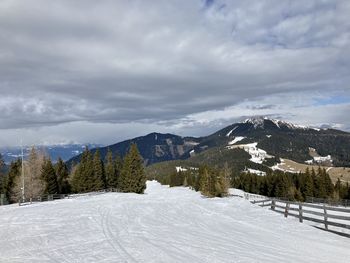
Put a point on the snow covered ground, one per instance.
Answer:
(236, 139)
(164, 225)
(258, 155)
(254, 171)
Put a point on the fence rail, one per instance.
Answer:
(341, 202)
(299, 209)
(52, 197)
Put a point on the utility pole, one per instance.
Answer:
(22, 155)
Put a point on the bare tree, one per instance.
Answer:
(34, 185)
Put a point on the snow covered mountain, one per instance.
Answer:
(282, 139)
(261, 137)
(260, 122)
(65, 151)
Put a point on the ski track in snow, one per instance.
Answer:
(164, 225)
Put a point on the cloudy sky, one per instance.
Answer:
(103, 71)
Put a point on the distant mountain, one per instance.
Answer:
(154, 147)
(265, 140)
(65, 151)
(283, 139)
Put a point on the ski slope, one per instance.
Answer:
(164, 225)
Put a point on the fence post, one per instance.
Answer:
(300, 213)
(286, 210)
(273, 204)
(325, 217)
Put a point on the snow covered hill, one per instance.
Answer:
(164, 225)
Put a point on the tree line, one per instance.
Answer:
(42, 177)
(214, 182)
(211, 182)
(293, 186)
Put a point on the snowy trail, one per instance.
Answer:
(164, 225)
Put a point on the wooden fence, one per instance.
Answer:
(52, 197)
(307, 211)
(340, 202)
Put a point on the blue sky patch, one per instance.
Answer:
(332, 100)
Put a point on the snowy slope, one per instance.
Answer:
(164, 225)
(258, 155)
(236, 139)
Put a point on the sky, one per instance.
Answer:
(88, 71)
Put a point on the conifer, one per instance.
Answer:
(48, 175)
(204, 184)
(98, 182)
(62, 177)
(13, 174)
(110, 171)
(308, 188)
(132, 177)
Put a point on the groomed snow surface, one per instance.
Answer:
(164, 225)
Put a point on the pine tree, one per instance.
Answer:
(76, 179)
(11, 179)
(110, 171)
(99, 182)
(308, 188)
(2, 177)
(88, 173)
(118, 166)
(132, 177)
(282, 186)
(62, 177)
(204, 184)
(329, 187)
(83, 176)
(319, 184)
(298, 196)
(226, 177)
(48, 175)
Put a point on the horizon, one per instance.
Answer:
(98, 145)
(88, 72)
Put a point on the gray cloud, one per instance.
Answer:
(118, 64)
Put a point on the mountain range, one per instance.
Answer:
(262, 139)
(65, 151)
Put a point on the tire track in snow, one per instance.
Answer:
(167, 247)
(111, 238)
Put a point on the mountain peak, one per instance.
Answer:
(261, 122)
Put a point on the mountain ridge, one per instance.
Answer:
(278, 138)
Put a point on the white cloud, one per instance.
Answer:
(108, 64)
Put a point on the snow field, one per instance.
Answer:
(257, 155)
(164, 225)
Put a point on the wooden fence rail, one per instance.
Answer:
(302, 211)
(52, 197)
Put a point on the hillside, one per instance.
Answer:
(164, 225)
(154, 147)
(285, 140)
(266, 140)
(343, 173)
